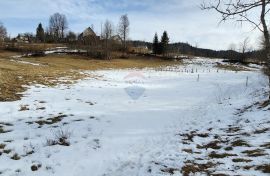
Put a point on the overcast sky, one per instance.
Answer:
(183, 19)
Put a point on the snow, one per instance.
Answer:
(129, 120)
(20, 56)
(55, 50)
(25, 62)
(63, 50)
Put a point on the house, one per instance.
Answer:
(88, 37)
(116, 39)
(140, 49)
(88, 33)
(23, 38)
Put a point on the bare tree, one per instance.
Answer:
(107, 34)
(245, 11)
(3, 32)
(63, 25)
(244, 46)
(124, 29)
(54, 25)
(58, 24)
(232, 52)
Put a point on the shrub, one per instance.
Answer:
(60, 138)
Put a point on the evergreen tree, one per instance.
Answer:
(156, 45)
(164, 43)
(40, 36)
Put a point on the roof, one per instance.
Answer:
(88, 32)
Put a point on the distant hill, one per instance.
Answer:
(187, 49)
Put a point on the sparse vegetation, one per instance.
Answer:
(15, 156)
(24, 108)
(35, 167)
(170, 170)
(255, 153)
(228, 148)
(29, 150)
(2, 146)
(194, 168)
(15, 75)
(61, 137)
(51, 120)
(240, 143)
(239, 151)
(241, 160)
(263, 130)
(7, 151)
(266, 145)
(232, 67)
(213, 145)
(220, 155)
(2, 130)
(264, 168)
(188, 150)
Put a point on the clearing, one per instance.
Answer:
(180, 118)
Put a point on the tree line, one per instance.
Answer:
(57, 32)
(3, 33)
(161, 47)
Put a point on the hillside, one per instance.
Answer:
(187, 49)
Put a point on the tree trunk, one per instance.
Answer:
(124, 40)
(125, 45)
(267, 41)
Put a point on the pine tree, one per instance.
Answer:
(156, 45)
(40, 33)
(164, 43)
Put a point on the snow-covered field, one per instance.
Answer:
(137, 123)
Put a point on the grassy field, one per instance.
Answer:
(16, 74)
(32, 47)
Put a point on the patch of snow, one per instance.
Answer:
(26, 62)
(126, 122)
(63, 50)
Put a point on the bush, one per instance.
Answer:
(60, 138)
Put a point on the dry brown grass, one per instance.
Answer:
(220, 155)
(15, 75)
(5, 54)
(255, 153)
(192, 168)
(264, 168)
(241, 160)
(27, 47)
(232, 67)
